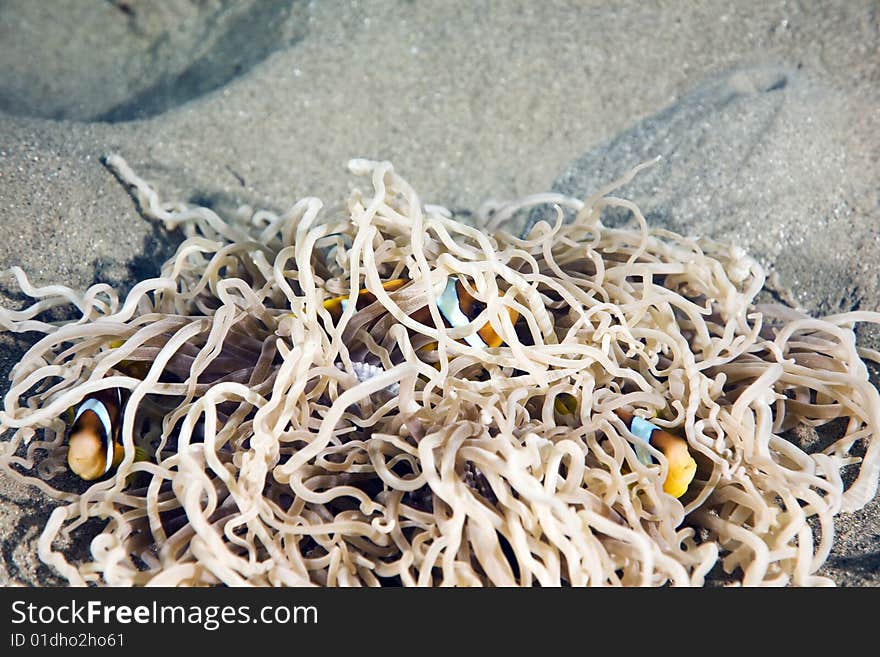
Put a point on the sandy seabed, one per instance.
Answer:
(471, 101)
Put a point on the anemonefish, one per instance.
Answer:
(457, 308)
(94, 447)
(338, 305)
(682, 466)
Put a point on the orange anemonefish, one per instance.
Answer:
(338, 305)
(682, 466)
(457, 308)
(94, 446)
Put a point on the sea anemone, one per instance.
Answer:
(266, 440)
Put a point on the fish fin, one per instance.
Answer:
(565, 404)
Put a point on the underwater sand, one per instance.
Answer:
(265, 104)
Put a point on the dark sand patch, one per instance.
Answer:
(129, 59)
